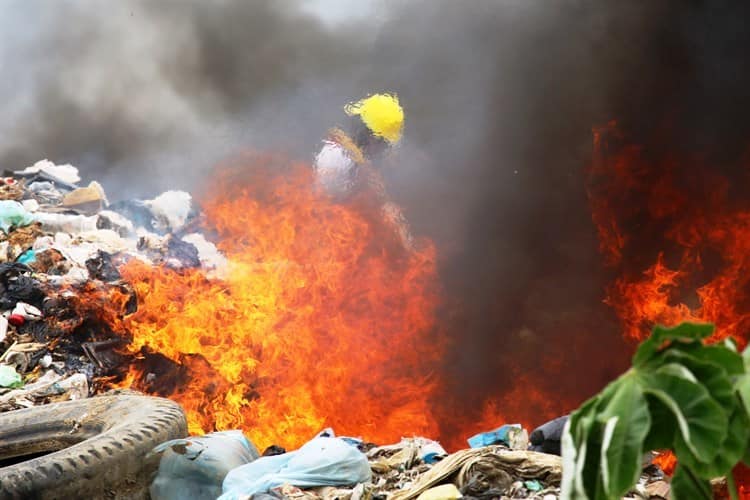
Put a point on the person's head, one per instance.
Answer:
(377, 124)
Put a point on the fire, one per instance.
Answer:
(678, 242)
(322, 318)
(680, 213)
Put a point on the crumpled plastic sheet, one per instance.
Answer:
(320, 462)
(194, 468)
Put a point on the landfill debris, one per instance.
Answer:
(478, 470)
(13, 214)
(319, 462)
(273, 450)
(195, 467)
(442, 492)
(533, 485)
(546, 438)
(88, 200)
(513, 436)
(170, 209)
(658, 489)
(9, 377)
(67, 174)
(61, 248)
(10, 189)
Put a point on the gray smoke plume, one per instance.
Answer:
(500, 99)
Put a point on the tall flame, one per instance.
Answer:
(678, 241)
(681, 214)
(322, 318)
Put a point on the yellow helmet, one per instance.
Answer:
(381, 113)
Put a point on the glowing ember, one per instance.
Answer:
(322, 319)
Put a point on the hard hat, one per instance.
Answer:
(381, 113)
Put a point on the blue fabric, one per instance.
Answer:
(322, 461)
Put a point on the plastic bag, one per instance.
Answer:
(171, 209)
(194, 468)
(66, 173)
(511, 435)
(323, 461)
(9, 377)
(13, 214)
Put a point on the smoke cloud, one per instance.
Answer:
(500, 99)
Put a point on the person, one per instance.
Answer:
(348, 163)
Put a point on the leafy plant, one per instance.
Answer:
(680, 394)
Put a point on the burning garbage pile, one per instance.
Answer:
(60, 248)
(304, 314)
(99, 295)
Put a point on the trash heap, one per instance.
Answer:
(60, 248)
(227, 465)
(61, 245)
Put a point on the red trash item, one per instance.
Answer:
(16, 320)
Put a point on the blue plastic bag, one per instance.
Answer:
(499, 435)
(193, 468)
(323, 461)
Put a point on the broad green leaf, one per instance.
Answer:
(626, 425)
(687, 486)
(702, 423)
(718, 354)
(590, 456)
(686, 330)
(732, 449)
(663, 426)
(574, 445)
(571, 486)
(711, 375)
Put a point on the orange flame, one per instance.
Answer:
(630, 193)
(322, 319)
(683, 211)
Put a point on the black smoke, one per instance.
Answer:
(500, 100)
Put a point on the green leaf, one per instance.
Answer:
(687, 486)
(718, 354)
(581, 442)
(661, 337)
(742, 386)
(663, 426)
(572, 481)
(625, 424)
(711, 375)
(732, 449)
(702, 423)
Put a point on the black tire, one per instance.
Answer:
(98, 447)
